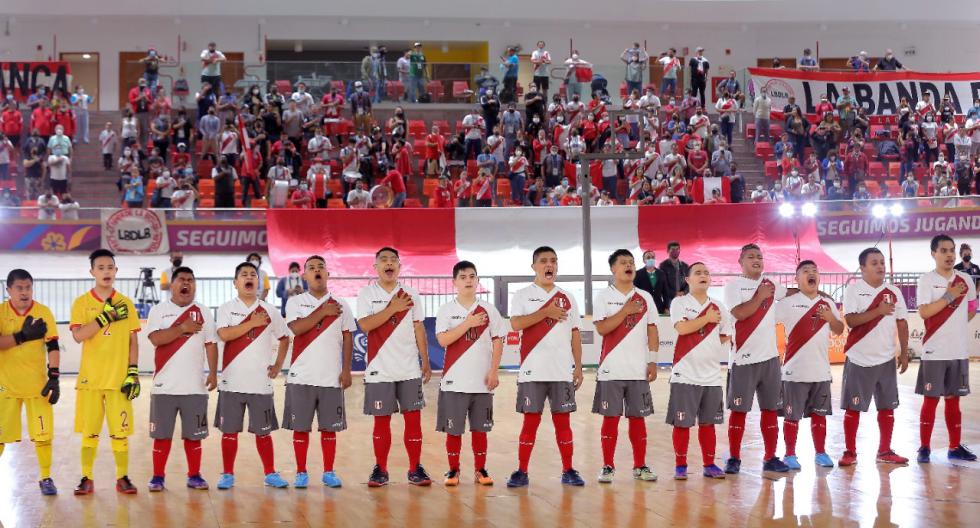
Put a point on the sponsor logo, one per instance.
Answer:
(237, 314)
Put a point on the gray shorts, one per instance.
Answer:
(531, 396)
(623, 398)
(761, 380)
(944, 377)
(860, 384)
(193, 409)
(388, 397)
(687, 402)
(454, 407)
(803, 399)
(230, 414)
(302, 401)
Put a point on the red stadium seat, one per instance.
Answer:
(443, 127)
(770, 170)
(416, 129)
(876, 170)
(436, 90)
(461, 91)
(413, 203)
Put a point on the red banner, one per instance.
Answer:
(21, 79)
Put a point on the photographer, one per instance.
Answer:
(151, 65)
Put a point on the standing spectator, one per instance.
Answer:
(732, 86)
(534, 105)
(209, 127)
(12, 123)
(205, 99)
(807, 62)
(473, 129)
(292, 123)
(211, 60)
(160, 132)
(930, 138)
(910, 187)
(360, 108)
(727, 108)
(369, 70)
(224, 177)
(637, 60)
(509, 65)
(65, 118)
(183, 200)
(47, 204)
(380, 74)
(290, 286)
(671, 68)
(396, 181)
(33, 163)
(860, 63)
(888, 63)
(966, 264)
(722, 161)
(700, 69)
(109, 142)
(332, 103)
(6, 156)
(517, 176)
(675, 272)
(230, 144)
(578, 73)
(797, 127)
(855, 168)
(42, 120)
(404, 67)
(68, 208)
(490, 105)
(165, 187)
(140, 99)
(80, 101)
(762, 108)
(151, 68)
(417, 73)
(541, 60)
(512, 123)
(134, 192)
(737, 185)
(699, 124)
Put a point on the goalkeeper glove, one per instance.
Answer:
(131, 385)
(31, 329)
(51, 390)
(112, 313)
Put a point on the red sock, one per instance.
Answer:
(328, 445)
(638, 439)
(382, 441)
(192, 450)
(454, 444)
(161, 450)
(263, 444)
(790, 429)
(680, 436)
(413, 437)
(927, 418)
(818, 430)
(479, 441)
(526, 441)
(563, 435)
(886, 422)
(301, 446)
(607, 438)
(229, 449)
(851, 420)
(736, 428)
(770, 432)
(706, 437)
(953, 421)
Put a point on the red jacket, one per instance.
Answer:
(12, 122)
(442, 197)
(42, 119)
(856, 164)
(395, 179)
(134, 93)
(67, 120)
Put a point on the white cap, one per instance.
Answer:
(357, 84)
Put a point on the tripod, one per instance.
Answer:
(145, 292)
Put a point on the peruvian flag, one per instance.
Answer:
(247, 167)
(703, 187)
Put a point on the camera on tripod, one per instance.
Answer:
(146, 293)
(146, 276)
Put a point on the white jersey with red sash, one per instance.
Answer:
(518, 164)
(392, 354)
(807, 337)
(755, 336)
(245, 360)
(874, 342)
(483, 192)
(947, 332)
(317, 178)
(546, 347)
(178, 366)
(698, 355)
(468, 359)
(229, 142)
(651, 163)
(317, 357)
(625, 351)
(574, 111)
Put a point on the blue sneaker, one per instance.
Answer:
(824, 460)
(47, 487)
(733, 466)
(226, 481)
(922, 455)
(275, 480)
(156, 484)
(418, 477)
(302, 480)
(518, 479)
(378, 478)
(331, 480)
(776, 465)
(792, 462)
(197, 482)
(961, 453)
(713, 472)
(680, 473)
(572, 478)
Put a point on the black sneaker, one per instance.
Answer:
(418, 477)
(518, 479)
(378, 478)
(733, 466)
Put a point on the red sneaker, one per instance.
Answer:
(85, 487)
(848, 458)
(124, 485)
(890, 457)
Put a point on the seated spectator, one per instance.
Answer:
(862, 194)
(793, 183)
(8, 198)
(669, 198)
(7, 152)
(910, 187)
(760, 194)
(807, 62)
(832, 167)
(570, 198)
(716, 197)
(860, 62)
(777, 193)
(47, 204)
(888, 63)
(812, 190)
(605, 200)
(811, 167)
(359, 197)
(835, 190)
(787, 163)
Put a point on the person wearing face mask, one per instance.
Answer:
(541, 61)
(360, 108)
(966, 265)
(675, 270)
(290, 286)
(888, 63)
(511, 122)
(653, 281)
(518, 176)
(534, 103)
(166, 276)
(578, 74)
(263, 286)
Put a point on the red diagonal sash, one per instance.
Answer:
(302, 341)
(745, 327)
(688, 342)
(380, 335)
(858, 332)
(612, 339)
(934, 323)
(162, 354)
(805, 329)
(533, 334)
(227, 140)
(456, 349)
(239, 344)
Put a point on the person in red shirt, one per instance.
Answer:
(442, 196)
(855, 168)
(12, 124)
(824, 106)
(540, 146)
(66, 118)
(589, 131)
(332, 104)
(302, 197)
(463, 189)
(482, 189)
(396, 181)
(403, 157)
(435, 148)
(697, 162)
(42, 120)
(571, 198)
(597, 106)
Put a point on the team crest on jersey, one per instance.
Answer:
(605, 405)
(856, 400)
(737, 401)
(153, 426)
(928, 386)
(680, 416)
(449, 423)
(789, 409)
(378, 405)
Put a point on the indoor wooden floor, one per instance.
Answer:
(939, 494)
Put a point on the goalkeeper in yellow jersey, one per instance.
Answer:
(29, 358)
(105, 322)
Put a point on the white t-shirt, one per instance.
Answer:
(807, 338)
(496, 144)
(179, 365)
(47, 206)
(317, 356)
(166, 184)
(245, 361)
(698, 356)
(213, 69)
(947, 332)
(699, 125)
(468, 358)
(474, 126)
(392, 353)
(874, 342)
(540, 70)
(546, 348)
(755, 337)
(184, 203)
(229, 142)
(58, 167)
(625, 352)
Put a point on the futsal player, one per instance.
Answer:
(319, 370)
(472, 332)
(104, 322)
(29, 360)
(253, 339)
(626, 318)
(183, 335)
(551, 363)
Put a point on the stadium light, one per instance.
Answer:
(809, 209)
(897, 210)
(786, 210)
(879, 211)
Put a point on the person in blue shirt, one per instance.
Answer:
(134, 193)
(290, 285)
(510, 67)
